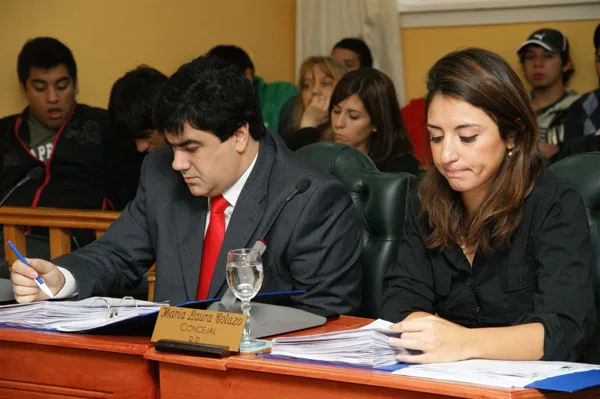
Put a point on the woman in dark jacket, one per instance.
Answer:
(365, 114)
(496, 257)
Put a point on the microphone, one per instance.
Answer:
(301, 186)
(34, 173)
(261, 245)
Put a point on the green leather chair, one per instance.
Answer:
(583, 172)
(380, 201)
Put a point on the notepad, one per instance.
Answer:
(75, 316)
(366, 346)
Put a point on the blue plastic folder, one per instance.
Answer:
(569, 382)
(144, 324)
(565, 383)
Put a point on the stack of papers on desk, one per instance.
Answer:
(75, 316)
(560, 376)
(366, 346)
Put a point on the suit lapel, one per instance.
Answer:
(190, 221)
(247, 214)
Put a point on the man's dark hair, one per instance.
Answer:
(46, 53)
(234, 55)
(131, 102)
(359, 47)
(209, 94)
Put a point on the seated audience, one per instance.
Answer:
(353, 53)
(130, 114)
(310, 120)
(413, 116)
(548, 68)
(273, 96)
(365, 114)
(69, 142)
(496, 259)
(582, 125)
(217, 187)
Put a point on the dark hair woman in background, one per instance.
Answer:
(365, 114)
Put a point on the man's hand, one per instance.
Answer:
(317, 112)
(24, 286)
(438, 339)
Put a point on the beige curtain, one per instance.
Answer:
(321, 23)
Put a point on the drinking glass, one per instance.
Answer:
(245, 276)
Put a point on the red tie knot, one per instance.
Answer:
(218, 204)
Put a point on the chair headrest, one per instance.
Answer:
(583, 172)
(346, 163)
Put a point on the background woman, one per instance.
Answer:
(365, 114)
(309, 119)
(496, 258)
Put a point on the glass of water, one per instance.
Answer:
(245, 276)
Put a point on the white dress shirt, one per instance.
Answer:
(231, 195)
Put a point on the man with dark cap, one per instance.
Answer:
(548, 68)
(582, 126)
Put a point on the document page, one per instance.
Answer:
(498, 373)
(366, 346)
(74, 316)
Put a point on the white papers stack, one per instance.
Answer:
(498, 373)
(367, 346)
(73, 316)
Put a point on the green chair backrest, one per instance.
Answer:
(583, 172)
(380, 202)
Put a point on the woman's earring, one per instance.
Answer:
(509, 152)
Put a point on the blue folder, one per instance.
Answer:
(569, 382)
(144, 324)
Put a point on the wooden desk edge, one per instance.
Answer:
(377, 378)
(116, 344)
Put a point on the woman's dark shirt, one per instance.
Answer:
(545, 276)
(309, 135)
(296, 139)
(406, 163)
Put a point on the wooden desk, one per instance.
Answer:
(51, 365)
(254, 378)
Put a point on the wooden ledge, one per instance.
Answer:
(52, 217)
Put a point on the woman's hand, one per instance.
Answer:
(438, 339)
(317, 112)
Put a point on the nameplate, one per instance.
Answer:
(199, 327)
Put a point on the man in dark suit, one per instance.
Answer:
(211, 118)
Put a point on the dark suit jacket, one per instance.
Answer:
(314, 245)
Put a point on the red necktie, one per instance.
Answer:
(212, 244)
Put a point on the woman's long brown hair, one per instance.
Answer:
(484, 80)
(377, 92)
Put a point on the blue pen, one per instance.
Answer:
(38, 279)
